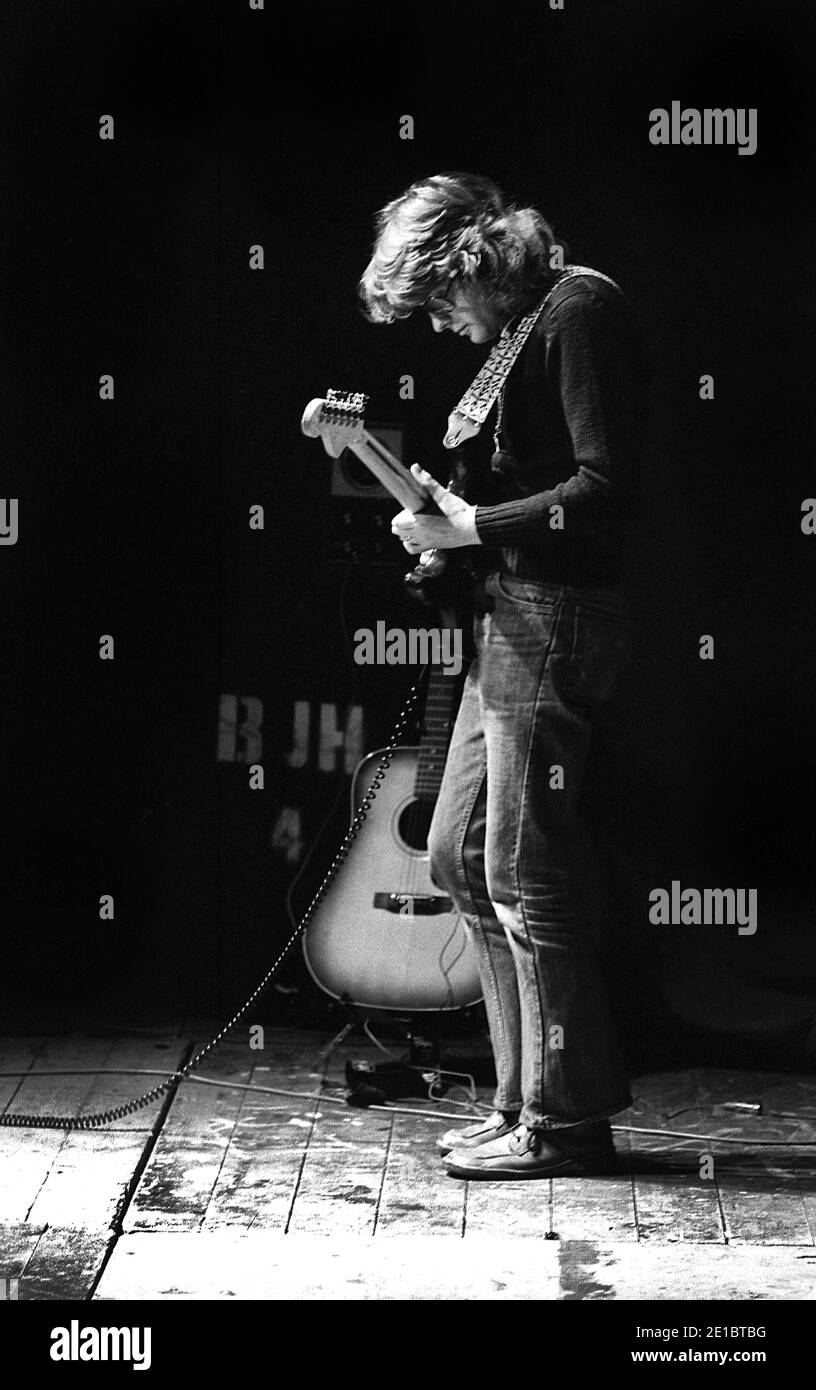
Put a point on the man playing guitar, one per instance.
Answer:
(554, 636)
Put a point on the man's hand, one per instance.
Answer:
(456, 527)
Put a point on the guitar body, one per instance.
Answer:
(384, 937)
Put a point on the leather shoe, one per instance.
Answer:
(491, 1127)
(580, 1151)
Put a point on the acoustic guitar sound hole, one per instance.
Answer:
(414, 824)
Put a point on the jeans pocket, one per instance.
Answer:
(527, 593)
(600, 652)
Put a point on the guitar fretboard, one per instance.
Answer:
(441, 703)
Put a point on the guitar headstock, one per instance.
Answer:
(338, 420)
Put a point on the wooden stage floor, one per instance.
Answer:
(223, 1192)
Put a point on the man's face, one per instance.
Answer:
(465, 309)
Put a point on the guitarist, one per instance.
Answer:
(564, 382)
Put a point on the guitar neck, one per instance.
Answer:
(387, 468)
(441, 705)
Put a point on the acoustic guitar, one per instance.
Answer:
(385, 937)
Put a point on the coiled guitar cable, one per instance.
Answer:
(106, 1117)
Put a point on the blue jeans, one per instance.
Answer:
(506, 843)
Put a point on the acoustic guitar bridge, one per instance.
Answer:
(413, 904)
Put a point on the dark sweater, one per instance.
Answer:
(572, 427)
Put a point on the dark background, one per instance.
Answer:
(236, 127)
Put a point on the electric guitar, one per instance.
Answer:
(384, 936)
(339, 421)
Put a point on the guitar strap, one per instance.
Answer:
(478, 401)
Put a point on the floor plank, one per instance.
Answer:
(762, 1192)
(678, 1207)
(770, 1090)
(88, 1180)
(28, 1156)
(18, 1242)
(16, 1054)
(258, 1179)
(594, 1209)
(63, 1095)
(265, 1265)
(108, 1092)
(806, 1182)
(175, 1188)
(343, 1171)
(674, 1199)
(514, 1208)
(765, 1206)
(417, 1195)
(65, 1264)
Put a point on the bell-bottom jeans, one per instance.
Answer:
(507, 844)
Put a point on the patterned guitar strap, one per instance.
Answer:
(488, 385)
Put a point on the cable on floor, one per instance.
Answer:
(402, 1109)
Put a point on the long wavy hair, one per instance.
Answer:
(456, 225)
